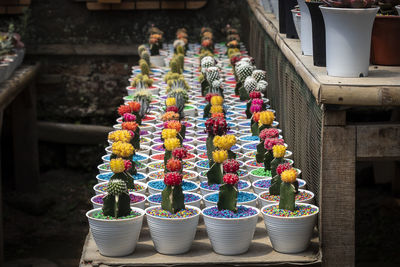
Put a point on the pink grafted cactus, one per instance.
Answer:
(350, 3)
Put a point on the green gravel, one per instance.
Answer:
(261, 172)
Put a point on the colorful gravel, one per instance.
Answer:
(99, 215)
(102, 188)
(138, 157)
(186, 186)
(160, 175)
(204, 164)
(301, 196)
(254, 163)
(161, 148)
(241, 212)
(266, 183)
(159, 212)
(252, 146)
(160, 165)
(185, 141)
(161, 156)
(242, 197)
(241, 185)
(144, 140)
(250, 138)
(107, 176)
(300, 210)
(261, 172)
(188, 198)
(134, 199)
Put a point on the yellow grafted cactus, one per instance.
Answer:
(224, 142)
(289, 176)
(168, 133)
(171, 143)
(266, 117)
(220, 156)
(120, 135)
(216, 109)
(117, 165)
(279, 151)
(122, 149)
(217, 100)
(170, 101)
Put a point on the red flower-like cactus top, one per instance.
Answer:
(231, 166)
(216, 126)
(174, 165)
(123, 109)
(172, 109)
(269, 133)
(283, 167)
(231, 178)
(255, 94)
(271, 142)
(173, 178)
(210, 95)
(179, 153)
(135, 106)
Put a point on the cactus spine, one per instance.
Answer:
(144, 67)
(117, 201)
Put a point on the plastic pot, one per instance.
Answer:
(348, 40)
(306, 29)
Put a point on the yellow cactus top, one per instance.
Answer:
(216, 109)
(266, 117)
(224, 142)
(279, 151)
(220, 156)
(168, 133)
(122, 149)
(170, 101)
(171, 143)
(289, 176)
(217, 100)
(117, 165)
(120, 135)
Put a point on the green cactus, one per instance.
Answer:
(180, 50)
(141, 48)
(227, 198)
(275, 188)
(215, 174)
(174, 65)
(260, 155)
(125, 176)
(287, 196)
(142, 79)
(117, 201)
(275, 163)
(268, 159)
(173, 199)
(146, 56)
(144, 67)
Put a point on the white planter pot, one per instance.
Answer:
(266, 5)
(172, 236)
(297, 20)
(115, 238)
(398, 9)
(158, 61)
(306, 29)
(348, 40)
(292, 234)
(231, 236)
(275, 8)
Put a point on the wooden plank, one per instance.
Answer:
(378, 141)
(84, 50)
(25, 142)
(67, 133)
(148, 4)
(337, 196)
(22, 77)
(335, 117)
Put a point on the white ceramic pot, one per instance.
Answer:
(172, 236)
(290, 234)
(297, 20)
(231, 236)
(139, 205)
(348, 40)
(275, 8)
(306, 29)
(266, 4)
(116, 238)
(192, 203)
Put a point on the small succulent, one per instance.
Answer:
(117, 201)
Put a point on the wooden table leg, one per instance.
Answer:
(25, 141)
(337, 191)
(1, 201)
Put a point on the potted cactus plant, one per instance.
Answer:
(348, 28)
(172, 225)
(230, 227)
(289, 224)
(116, 226)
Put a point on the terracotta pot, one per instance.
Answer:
(385, 45)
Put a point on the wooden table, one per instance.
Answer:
(18, 95)
(342, 139)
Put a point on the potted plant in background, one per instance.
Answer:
(230, 227)
(398, 9)
(348, 28)
(318, 32)
(116, 226)
(306, 29)
(385, 38)
(289, 224)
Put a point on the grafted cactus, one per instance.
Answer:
(117, 201)
(172, 195)
(228, 192)
(288, 190)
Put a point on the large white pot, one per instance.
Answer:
(290, 234)
(115, 238)
(230, 236)
(266, 4)
(275, 8)
(348, 40)
(172, 236)
(306, 29)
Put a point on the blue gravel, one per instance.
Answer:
(203, 125)
(241, 106)
(245, 124)
(188, 198)
(134, 157)
(160, 185)
(107, 176)
(252, 146)
(250, 138)
(241, 185)
(242, 197)
(241, 212)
